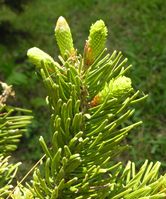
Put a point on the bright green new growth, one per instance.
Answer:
(79, 162)
(64, 38)
(37, 56)
(96, 41)
(97, 38)
(117, 88)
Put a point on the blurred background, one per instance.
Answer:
(137, 28)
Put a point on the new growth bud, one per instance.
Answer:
(64, 37)
(96, 42)
(38, 56)
(117, 88)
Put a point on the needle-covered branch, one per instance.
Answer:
(91, 100)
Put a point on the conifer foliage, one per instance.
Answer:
(91, 100)
(13, 123)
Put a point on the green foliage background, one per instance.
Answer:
(137, 28)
